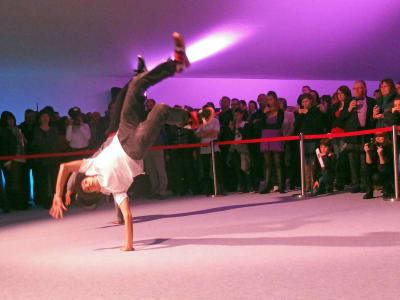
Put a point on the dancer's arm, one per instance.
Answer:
(56, 210)
(126, 212)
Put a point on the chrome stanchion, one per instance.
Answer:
(302, 171)
(214, 169)
(395, 165)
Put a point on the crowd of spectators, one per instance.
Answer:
(253, 167)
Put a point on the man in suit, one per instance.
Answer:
(357, 114)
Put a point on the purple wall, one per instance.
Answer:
(92, 93)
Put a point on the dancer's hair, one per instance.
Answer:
(85, 199)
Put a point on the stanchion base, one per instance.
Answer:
(299, 196)
(391, 199)
(218, 195)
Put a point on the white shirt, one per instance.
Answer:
(362, 111)
(114, 169)
(78, 136)
(214, 126)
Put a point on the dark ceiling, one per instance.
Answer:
(302, 39)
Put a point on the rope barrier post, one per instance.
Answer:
(214, 169)
(395, 165)
(302, 171)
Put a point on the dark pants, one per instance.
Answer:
(257, 163)
(357, 165)
(326, 180)
(207, 177)
(291, 167)
(44, 176)
(16, 188)
(136, 133)
(228, 180)
(242, 178)
(182, 177)
(383, 176)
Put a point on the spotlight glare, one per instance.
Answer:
(211, 45)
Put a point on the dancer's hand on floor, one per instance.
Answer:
(58, 207)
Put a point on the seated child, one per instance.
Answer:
(325, 169)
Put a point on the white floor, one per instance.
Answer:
(247, 246)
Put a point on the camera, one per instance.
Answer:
(372, 144)
(75, 114)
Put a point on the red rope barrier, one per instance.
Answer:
(273, 139)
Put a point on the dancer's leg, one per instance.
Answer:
(133, 112)
(115, 113)
(137, 142)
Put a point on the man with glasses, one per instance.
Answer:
(359, 116)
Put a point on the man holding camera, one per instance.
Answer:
(78, 133)
(357, 114)
(379, 165)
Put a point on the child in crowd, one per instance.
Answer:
(325, 168)
(239, 155)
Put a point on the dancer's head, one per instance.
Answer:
(87, 184)
(87, 189)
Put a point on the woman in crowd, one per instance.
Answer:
(383, 110)
(239, 155)
(45, 140)
(290, 157)
(309, 120)
(271, 126)
(12, 142)
(343, 95)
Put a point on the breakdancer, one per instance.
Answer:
(112, 169)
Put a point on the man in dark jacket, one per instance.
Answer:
(356, 115)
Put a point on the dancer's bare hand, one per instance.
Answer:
(58, 207)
